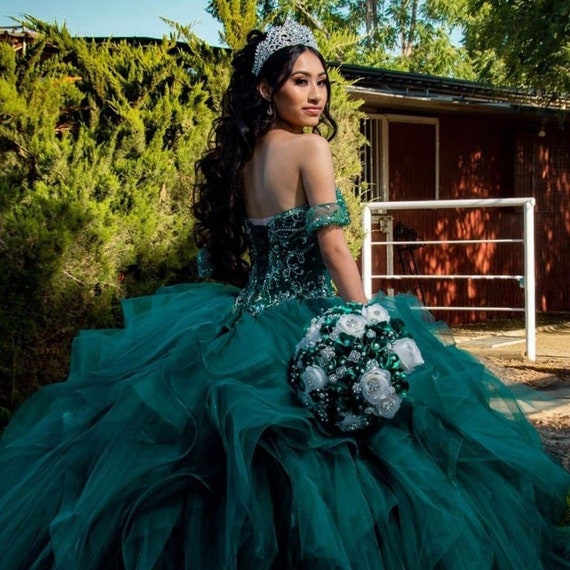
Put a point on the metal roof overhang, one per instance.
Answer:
(431, 103)
(403, 91)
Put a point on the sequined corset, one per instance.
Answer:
(286, 262)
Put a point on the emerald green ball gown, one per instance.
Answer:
(177, 443)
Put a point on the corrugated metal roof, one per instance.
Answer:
(371, 81)
(17, 32)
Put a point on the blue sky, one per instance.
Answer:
(116, 17)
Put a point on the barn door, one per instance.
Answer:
(401, 162)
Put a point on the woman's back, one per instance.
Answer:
(272, 180)
(281, 225)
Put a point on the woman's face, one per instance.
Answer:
(300, 101)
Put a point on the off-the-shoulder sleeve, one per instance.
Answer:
(331, 214)
(203, 264)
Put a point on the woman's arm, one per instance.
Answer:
(317, 174)
(340, 264)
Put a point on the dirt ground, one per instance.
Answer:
(500, 345)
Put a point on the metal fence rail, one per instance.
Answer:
(527, 281)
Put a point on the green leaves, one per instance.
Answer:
(521, 43)
(97, 148)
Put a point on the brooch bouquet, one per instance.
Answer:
(350, 368)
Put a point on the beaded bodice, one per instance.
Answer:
(286, 262)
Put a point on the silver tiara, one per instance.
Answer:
(291, 33)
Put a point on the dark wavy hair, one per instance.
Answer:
(218, 204)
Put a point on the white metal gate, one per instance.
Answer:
(526, 279)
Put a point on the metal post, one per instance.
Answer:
(529, 281)
(367, 252)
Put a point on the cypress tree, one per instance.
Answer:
(97, 148)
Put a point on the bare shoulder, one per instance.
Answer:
(317, 169)
(303, 143)
(313, 149)
(314, 143)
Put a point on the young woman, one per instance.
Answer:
(180, 443)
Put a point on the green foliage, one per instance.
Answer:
(346, 151)
(514, 43)
(521, 43)
(238, 17)
(97, 149)
(409, 35)
(434, 54)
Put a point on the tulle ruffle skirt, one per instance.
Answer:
(177, 443)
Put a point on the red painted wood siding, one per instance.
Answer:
(484, 158)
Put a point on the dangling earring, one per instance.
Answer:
(270, 110)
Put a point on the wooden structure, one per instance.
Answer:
(18, 37)
(432, 138)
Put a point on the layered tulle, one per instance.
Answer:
(177, 443)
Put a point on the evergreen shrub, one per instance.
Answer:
(97, 148)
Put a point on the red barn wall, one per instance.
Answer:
(483, 157)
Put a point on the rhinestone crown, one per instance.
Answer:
(291, 33)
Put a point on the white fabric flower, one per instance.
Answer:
(311, 338)
(409, 353)
(313, 334)
(387, 407)
(314, 378)
(375, 386)
(375, 313)
(353, 325)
